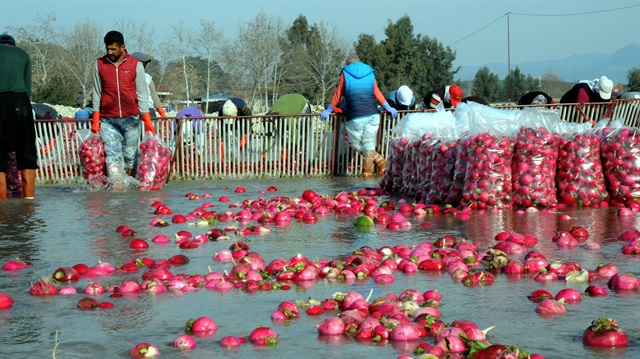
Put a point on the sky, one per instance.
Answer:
(480, 32)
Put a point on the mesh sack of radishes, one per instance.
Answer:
(442, 128)
(92, 157)
(13, 176)
(535, 159)
(409, 180)
(620, 151)
(579, 177)
(425, 164)
(153, 161)
(459, 172)
(443, 161)
(487, 182)
(454, 196)
(392, 179)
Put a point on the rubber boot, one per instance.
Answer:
(28, 183)
(367, 164)
(380, 162)
(3, 186)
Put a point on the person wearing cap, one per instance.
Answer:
(81, 114)
(358, 85)
(448, 96)
(233, 107)
(7, 40)
(120, 100)
(596, 90)
(402, 99)
(17, 130)
(154, 100)
(537, 98)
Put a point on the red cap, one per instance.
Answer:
(456, 95)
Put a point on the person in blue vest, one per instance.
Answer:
(358, 85)
(402, 99)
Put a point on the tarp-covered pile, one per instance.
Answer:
(490, 158)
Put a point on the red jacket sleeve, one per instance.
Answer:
(378, 94)
(582, 97)
(337, 94)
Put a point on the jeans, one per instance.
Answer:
(363, 132)
(121, 137)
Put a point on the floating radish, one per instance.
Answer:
(143, 351)
(263, 336)
(185, 342)
(604, 332)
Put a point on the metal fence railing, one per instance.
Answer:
(262, 146)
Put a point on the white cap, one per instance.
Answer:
(404, 95)
(229, 109)
(605, 86)
(539, 100)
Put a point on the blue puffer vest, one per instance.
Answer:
(358, 91)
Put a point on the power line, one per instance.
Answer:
(542, 15)
(477, 31)
(577, 14)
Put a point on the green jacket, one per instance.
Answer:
(291, 104)
(15, 70)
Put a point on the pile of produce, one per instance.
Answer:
(490, 158)
(154, 159)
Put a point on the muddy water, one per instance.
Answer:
(67, 225)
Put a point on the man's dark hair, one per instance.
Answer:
(113, 36)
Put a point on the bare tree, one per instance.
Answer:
(324, 56)
(38, 41)
(206, 45)
(83, 45)
(183, 40)
(252, 60)
(552, 84)
(138, 36)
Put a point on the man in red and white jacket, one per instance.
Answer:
(120, 100)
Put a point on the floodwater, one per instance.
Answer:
(66, 225)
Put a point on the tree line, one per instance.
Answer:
(264, 61)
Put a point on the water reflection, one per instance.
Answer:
(19, 227)
(64, 227)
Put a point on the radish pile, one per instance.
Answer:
(620, 149)
(410, 317)
(526, 158)
(580, 180)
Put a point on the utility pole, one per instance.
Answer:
(508, 58)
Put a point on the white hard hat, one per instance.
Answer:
(229, 109)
